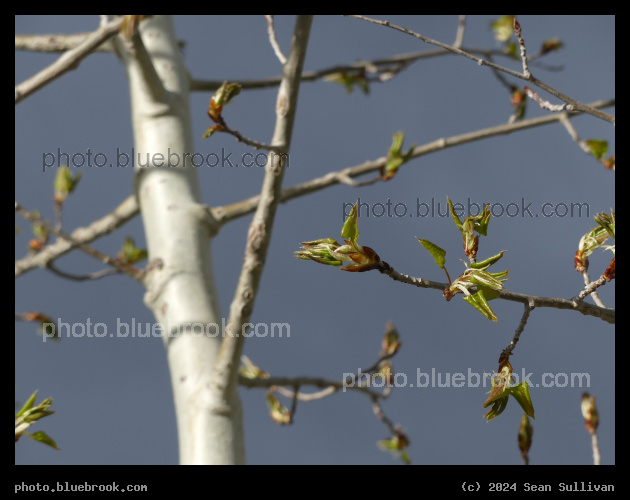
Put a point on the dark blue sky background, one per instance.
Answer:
(112, 395)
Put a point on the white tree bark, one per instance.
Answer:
(178, 231)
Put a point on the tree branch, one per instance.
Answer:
(135, 273)
(57, 43)
(274, 41)
(607, 315)
(122, 214)
(259, 234)
(68, 61)
(226, 213)
(576, 105)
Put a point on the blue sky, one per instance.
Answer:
(112, 395)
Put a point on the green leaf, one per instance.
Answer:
(520, 392)
(395, 157)
(486, 280)
(225, 93)
(482, 225)
(42, 437)
(607, 222)
(454, 216)
(350, 229)
(479, 302)
(436, 252)
(130, 254)
(497, 408)
(503, 28)
(551, 45)
(349, 80)
(65, 183)
(598, 147)
(28, 405)
(512, 50)
(484, 264)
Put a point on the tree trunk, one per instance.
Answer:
(181, 293)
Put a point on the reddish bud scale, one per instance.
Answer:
(214, 111)
(36, 245)
(609, 273)
(517, 98)
(517, 28)
(580, 262)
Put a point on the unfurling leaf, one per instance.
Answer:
(395, 157)
(65, 183)
(484, 264)
(525, 434)
(222, 97)
(503, 28)
(350, 229)
(520, 392)
(589, 412)
(598, 147)
(436, 252)
(278, 412)
(42, 437)
(551, 45)
(349, 80)
(391, 341)
(130, 254)
(502, 389)
(479, 301)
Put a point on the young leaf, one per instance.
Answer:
(598, 147)
(42, 437)
(503, 28)
(395, 157)
(454, 216)
(520, 392)
(484, 264)
(525, 434)
(478, 301)
(436, 252)
(130, 254)
(28, 405)
(350, 229)
(65, 183)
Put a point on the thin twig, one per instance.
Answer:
(122, 214)
(546, 104)
(461, 29)
(521, 326)
(68, 61)
(594, 294)
(326, 384)
(135, 273)
(310, 76)
(274, 41)
(521, 42)
(249, 142)
(81, 277)
(577, 106)
(311, 396)
(590, 288)
(597, 457)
